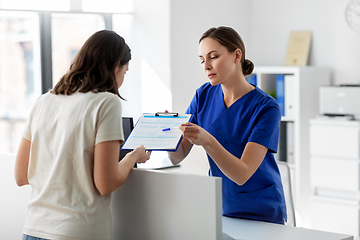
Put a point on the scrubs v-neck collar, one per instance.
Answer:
(221, 95)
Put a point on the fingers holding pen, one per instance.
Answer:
(188, 127)
(193, 133)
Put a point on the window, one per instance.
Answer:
(42, 5)
(123, 24)
(118, 6)
(68, 34)
(20, 81)
(32, 30)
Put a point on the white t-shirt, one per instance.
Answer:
(63, 130)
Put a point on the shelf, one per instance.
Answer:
(301, 103)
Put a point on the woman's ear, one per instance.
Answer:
(238, 55)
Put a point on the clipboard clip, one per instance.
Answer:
(158, 114)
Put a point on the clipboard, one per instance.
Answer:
(148, 131)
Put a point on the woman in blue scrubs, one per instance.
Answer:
(238, 126)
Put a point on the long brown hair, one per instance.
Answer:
(230, 39)
(93, 68)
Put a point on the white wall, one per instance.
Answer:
(265, 27)
(189, 20)
(147, 83)
(334, 44)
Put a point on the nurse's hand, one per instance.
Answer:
(195, 134)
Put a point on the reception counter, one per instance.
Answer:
(157, 205)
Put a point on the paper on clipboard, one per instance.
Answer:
(148, 132)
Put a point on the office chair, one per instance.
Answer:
(286, 181)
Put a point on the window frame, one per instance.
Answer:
(44, 49)
(46, 45)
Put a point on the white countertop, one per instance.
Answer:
(235, 229)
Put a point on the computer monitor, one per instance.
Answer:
(128, 125)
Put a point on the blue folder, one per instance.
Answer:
(280, 92)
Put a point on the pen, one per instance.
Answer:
(170, 128)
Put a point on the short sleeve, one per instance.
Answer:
(109, 121)
(27, 130)
(193, 109)
(266, 130)
(27, 133)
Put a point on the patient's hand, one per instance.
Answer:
(141, 154)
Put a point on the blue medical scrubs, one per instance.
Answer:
(255, 117)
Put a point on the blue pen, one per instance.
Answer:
(170, 128)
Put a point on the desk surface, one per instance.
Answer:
(244, 229)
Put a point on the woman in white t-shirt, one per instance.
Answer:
(70, 147)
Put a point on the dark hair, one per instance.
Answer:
(93, 68)
(230, 39)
